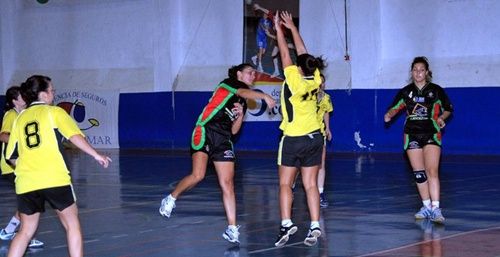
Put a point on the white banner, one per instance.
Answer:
(96, 113)
(259, 111)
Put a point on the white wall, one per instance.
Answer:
(187, 45)
(460, 38)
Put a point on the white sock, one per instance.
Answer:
(435, 204)
(427, 203)
(286, 223)
(171, 197)
(321, 189)
(314, 224)
(12, 226)
(232, 227)
(275, 62)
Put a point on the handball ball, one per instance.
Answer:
(249, 2)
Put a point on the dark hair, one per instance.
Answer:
(232, 72)
(11, 95)
(33, 86)
(309, 64)
(425, 62)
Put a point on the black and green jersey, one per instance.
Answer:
(423, 107)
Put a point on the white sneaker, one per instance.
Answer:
(254, 60)
(6, 236)
(34, 243)
(167, 205)
(232, 235)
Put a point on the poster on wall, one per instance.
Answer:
(95, 112)
(260, 49)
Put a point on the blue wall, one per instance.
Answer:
(148, 120)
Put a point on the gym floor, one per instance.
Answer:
(372, 201)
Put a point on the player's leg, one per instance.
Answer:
(69, 220)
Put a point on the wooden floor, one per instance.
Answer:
(372, 202)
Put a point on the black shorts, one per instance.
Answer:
(418, 141)
(11, 177)
(301, 151)
(218, 147)
(58, 197)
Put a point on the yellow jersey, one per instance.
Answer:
(36, 138)
(8, 121)
(324, 105)
(298, 102)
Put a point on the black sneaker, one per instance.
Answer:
(312, 236)
(284, 235)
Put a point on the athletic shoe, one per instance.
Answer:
(167, 205)
(254, 60)
(423, 213)
(6, 236)
(312, 236)
(34, 243)
(284, 235)
(323, 203)
(232, 234)
(436, 216)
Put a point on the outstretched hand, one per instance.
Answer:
(287, 20)
(277, 21)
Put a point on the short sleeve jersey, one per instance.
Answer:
(35, 138)
(324, 106)
(8, 121)
(218, 114)
(423, 107)
(299, 102)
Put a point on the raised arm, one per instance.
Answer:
(257, 7)
(286, 60)
(287, 21)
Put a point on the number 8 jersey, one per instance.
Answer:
(35, 141)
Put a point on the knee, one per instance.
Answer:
(227, 185)
(197, 177)
(310, 186)
(420, 176)
(432, 174)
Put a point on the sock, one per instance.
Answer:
(171, 197)
(275, 62)
(12, 226)
(286, 223)
(427, 203)
(321, 189)
(435, 204)
(232, 227)
(314, 224)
